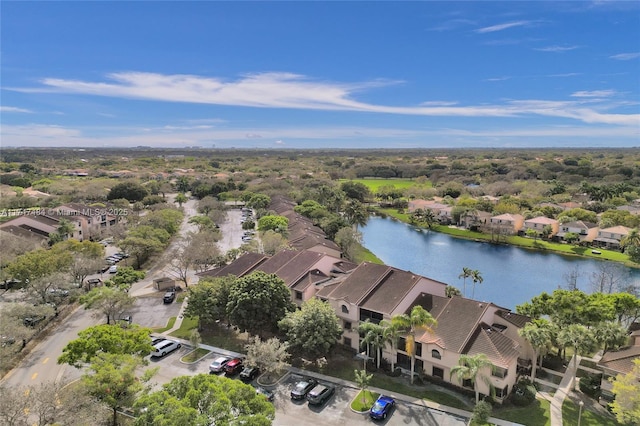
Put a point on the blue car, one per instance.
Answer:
(382, 407)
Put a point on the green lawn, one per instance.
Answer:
(375, 184)
(570, 411)
(538, 413)
(214, 335)
(360, 404)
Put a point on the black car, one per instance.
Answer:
(267, 393)
(320, 394)
(169, 297)
(302, 388)
(249, 373)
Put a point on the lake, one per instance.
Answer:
(511, 275)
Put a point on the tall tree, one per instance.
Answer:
(208, 300)
(538, 334)
(314, 328)
(466, 273)
(204, 400)
(258, 301)
(104, 338)
(372, 337)
(392, 332)
(112, 379)
(107, 301)
(362, 379)
(470, 368)
(418, 319)
(181, 199)
(271, 356)
(356, 213)
(476, 278)
(578, 337)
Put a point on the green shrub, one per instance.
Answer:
(481, 413)
(590, 385)
(524, 393)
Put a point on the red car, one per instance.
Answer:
(233, 367)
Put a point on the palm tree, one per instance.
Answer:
(538, 334)
(476, 278)
(391, 333)
(362, 380)
(580, 338)
(469, 367)
(417, 319)
(373, 337)
(356, 213)
(632, 239)
(429, 218)
(466, 273)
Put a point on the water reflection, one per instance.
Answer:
(511, 275)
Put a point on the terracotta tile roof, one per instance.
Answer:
(239, 267)
(457, 319)
(277, 261)
(500, 349)
(620, 361)
(298, 266)
(542, 220)
(360, 282)
(308, 241)
(391, 290)
(515, 319)
(310, 278)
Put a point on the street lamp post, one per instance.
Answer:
(580, 404)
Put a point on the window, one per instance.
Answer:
(347, 341)
(298, 295)
(499, 372)
(435, 354)
(345, 310)
(438, 372)
(502, 393)
(418, 349)
(467, 383)
(374, 317)
(347, 325)
(402, 344)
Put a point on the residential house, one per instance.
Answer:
(507, 223)
(634, 210)
(442, 212)
(44, 222)
(539, 223)
(617, 362)
(94, 219)
(586, 231)
(610, 237)
(474, 219)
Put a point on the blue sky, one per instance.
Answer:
(321, 74)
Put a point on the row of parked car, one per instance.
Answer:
(232, 366)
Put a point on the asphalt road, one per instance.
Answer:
(41, 365)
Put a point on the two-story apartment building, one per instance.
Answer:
(610, 237)
(539, 223)
(507, 223)
(586, 231)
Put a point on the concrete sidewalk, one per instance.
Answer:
(565, 387)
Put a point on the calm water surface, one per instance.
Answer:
(511, 275)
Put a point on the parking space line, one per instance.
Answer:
(45, 360)
(34, 376)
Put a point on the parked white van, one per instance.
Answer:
(164, 347)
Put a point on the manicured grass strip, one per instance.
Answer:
(170, 324)
(364, 400)
(184, 332)
(193, 356)
(571, 410)
(538, 413)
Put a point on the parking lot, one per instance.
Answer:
(335, 412)
(150, 311)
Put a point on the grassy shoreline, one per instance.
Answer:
(522, 242)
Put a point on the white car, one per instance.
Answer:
(218, 364)
(113, 269)
(164, 347)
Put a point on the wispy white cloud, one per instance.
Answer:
(556, 49)
(14, 109)
(285, 90)
(501, 27)
(568, 74)
(497, 78)
(593, 93)
(626, 56)
(439, 103)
